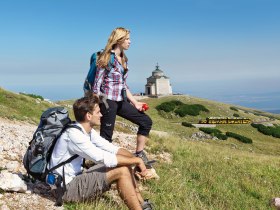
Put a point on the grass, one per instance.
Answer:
(21, 107)
(207, 174)
(105, 202)
(202, 176)
(25, 107)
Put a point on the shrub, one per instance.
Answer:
(276, 133)
(236, 115)
(186, 124)
(185, 109)
(192, 110)
(265, 130)
(182, 109)
(210, 130)
(201, 107)
(233, 108)
(176, 102)
(214, 132)
(166, 106)
(270, 131)
(221, 136)
(239, 137)
(254, 125)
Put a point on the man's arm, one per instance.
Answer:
(128, 161)
(125, 158)
(102, 143)
(80, 144)
(124, 152)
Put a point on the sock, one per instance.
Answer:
(139, 152)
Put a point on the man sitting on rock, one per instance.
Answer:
(113, 163)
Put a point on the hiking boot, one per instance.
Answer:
(147, 205)
(146, 161)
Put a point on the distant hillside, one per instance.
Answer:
(27, 107)
(21, 107)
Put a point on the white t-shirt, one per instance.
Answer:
(87, 145)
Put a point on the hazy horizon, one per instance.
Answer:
(262, 101)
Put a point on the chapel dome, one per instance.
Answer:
(157, 72)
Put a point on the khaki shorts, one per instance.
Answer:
(88, 185)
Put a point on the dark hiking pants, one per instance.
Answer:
(127, 111)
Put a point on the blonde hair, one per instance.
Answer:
(117, 36)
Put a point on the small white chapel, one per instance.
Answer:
(158, 84)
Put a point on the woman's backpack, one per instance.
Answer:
(89, 81)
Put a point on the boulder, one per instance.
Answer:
(201, 135)
(11, 182)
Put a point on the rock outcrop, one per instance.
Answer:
(15, 193)
(12, 182)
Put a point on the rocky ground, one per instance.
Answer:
(18, 194)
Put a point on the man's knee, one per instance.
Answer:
(125, 171)
(119, 172)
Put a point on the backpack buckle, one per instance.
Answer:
(41, 138)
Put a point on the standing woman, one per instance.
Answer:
(110, 80)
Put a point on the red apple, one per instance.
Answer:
(145, 107)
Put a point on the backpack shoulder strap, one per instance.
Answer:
(112, 60)
(71, 125)
(63, 163)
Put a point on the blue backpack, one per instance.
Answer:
(89, 81)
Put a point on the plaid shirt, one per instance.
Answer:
(110, 81)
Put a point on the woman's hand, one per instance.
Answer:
(139, 106)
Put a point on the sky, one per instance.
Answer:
(226, 50)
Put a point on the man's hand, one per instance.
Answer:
(124, 152)
(125, 159)
(142, 166)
